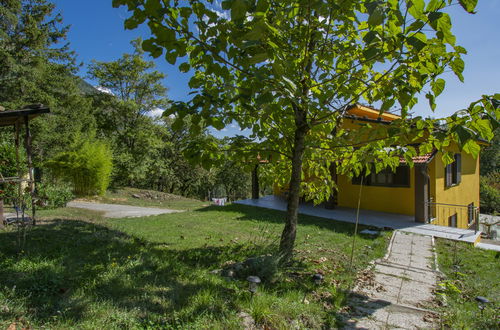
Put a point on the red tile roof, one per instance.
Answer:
(423, 159)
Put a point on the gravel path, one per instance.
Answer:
(120, 211)
(401, 290)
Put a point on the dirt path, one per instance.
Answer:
(401, 290)
(120, 211)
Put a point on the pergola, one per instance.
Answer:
(16, 119)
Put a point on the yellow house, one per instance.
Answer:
(429, 191)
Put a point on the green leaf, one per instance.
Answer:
(416, 8)
(262, 5)
(184, 67)
(371, 53)
(468, 5)
(457, 65)
(226, 4)
(371, 36)
(416, 42)
(153, 7)
(432, 100)
(290, 83)
(277, 69)
(438, 86)
(178, 124)
(131, 23)
(387, 104)
(165, 35)
(377, 16)
(434, 5)
(217, 123)
(171, 57)
(463, 134)
(238, 10)
(258, 58)
(483, 127)
(148, 45)
(471, 147)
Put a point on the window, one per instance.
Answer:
(387, 178)
(452, 221)
(453, 172)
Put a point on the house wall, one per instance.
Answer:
(385, 199)
(466, 192)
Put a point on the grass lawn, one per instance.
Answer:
(470, 272)
(149, 198)
(80, 270)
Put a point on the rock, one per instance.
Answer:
(2, 108)
(238, 267)
(136, 195)
(228, 273)
(247, 321)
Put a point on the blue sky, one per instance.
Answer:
(97, 33)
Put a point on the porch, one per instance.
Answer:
(401, 222)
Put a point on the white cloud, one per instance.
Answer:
(156, 112)
(104, 90)
(217, 8)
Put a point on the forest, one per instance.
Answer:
(109, 129)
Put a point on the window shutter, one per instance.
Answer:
(458, 166)
(447, 175)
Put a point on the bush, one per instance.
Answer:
(53, 195)
(88, 168)
(8, 168)
(490, 193)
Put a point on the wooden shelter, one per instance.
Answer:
(16, 119)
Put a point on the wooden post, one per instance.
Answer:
(255, 182)
(18, 161)
(27, 143)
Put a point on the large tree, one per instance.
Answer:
(31, 43)
(37, 66)
(288, 70)
(133, 89)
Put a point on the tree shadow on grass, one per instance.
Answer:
(71, 267)
(252, 213)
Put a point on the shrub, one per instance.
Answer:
(8, 168)
(490, 193)
(54, 195)
(88, 168)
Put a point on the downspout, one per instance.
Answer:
(424, 171)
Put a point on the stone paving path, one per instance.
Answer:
(120, 211)
(401, 288)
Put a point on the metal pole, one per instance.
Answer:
(357, 221)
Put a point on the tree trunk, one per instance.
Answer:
(255, 182)
(288, 236)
